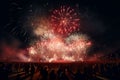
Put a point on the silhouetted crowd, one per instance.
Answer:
(60, 71)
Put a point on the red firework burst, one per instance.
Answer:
(64, 20)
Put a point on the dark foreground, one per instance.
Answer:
(60, 71)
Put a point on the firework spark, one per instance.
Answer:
(72, 48)
(65, 20)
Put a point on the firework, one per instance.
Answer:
(72, 48)
(64, 20)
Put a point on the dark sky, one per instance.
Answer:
(100, 19)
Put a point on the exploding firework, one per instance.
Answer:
(65, 20)
(72, 48)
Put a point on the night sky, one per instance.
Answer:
(100, 20)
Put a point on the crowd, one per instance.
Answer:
(61, 71)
